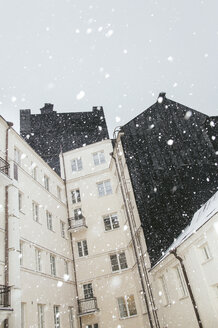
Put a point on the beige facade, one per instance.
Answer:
(73, 252)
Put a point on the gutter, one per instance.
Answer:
(195, 307)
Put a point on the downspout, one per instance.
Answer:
(174, 252)
(72, 248)
(134, 244)
(6, 269)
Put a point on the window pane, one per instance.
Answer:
(115, 221)
(95, 158)
(101, 189)
(122, 307)
(101, 157)
(114, 262)
(88, 292)
(79, 164)
(107, 224)
(73, 165)
(85, 248)
(122, 260)
(80, 250)
(131, 305)
(108, 187)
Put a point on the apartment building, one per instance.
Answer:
(186, 277)
(68, 249)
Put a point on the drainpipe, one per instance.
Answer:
(174, 252)
(134, 243)
(72, 248)
(6, 269)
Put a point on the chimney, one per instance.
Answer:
(48, 108)
(161, 97)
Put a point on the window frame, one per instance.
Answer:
(46, 182)
(84, 249)
(38, 259)
(35, 209)
(126, 306)
(53, 265)
(118, 262)
(183, 289)
(164, 287)
(88, 292)
(75, 196)
(41, 315)
(57, 320)
(49, 220)
(97, 157)
(110, 218)
(76, 164)
(63, 229)
(104, 190)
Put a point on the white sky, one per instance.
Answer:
(121, 53)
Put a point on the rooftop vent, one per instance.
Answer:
(48, 108)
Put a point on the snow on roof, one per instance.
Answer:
(204, 214)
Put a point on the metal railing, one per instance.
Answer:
(5, 296)
(4, 166)
(87, 305)
(77, 223)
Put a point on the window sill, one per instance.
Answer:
(183, 298)
(37, 222)
(119, 271)
(208, 260)
(132, 316)
(112, 230)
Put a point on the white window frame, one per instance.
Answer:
(34, 171)
(57, 321)
(206, 254)
(35, 209)
(59, 192)
(49, 220)
(21, 252)
(41, 315)
(46, 182)
(20, 201)
(76, 164)
(63, 229)
(126, 305)
(83, 248)
(165, 292)
(75, 196)
(119, 264)
(38, 259)
(23, 315)
(66, 267)
(53, 265)
(104, 188)
(88, 291)
(71, 316)
(183, 290)
(112, 218)
(98, 158)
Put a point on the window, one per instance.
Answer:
(59, 192)
(17, 161)
(46, 182)
(75, 194)
(20, 196)
(23, 315)
(21, 253)
(82, 248)
(104, 188)
(77, 213)
(166, 299)
(111, 222)
(53, 265)
(118, 262)
(76, 164)
(41, 316)
(205, 252)
(127, 306)
(92, 326)
(38, 259)
(57, 321)
(35, 209)
(49, 220)
(182, 285)
(70, 310)
(99, 158)
(34, 170)
(63, 229)
(66, 269)
(88, 291)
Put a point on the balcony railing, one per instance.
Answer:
(5, 296)
(87, 306)
(76, 224)
(4, 166)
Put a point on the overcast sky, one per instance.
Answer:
(119, 54)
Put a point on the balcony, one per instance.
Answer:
(4, 166)
(77, 224)
(5, 297)
(87, 306)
